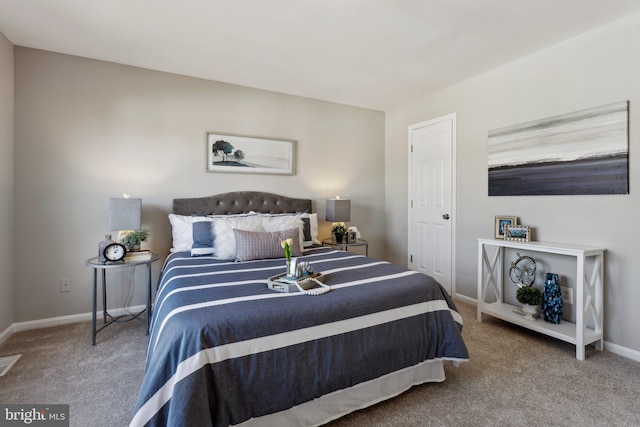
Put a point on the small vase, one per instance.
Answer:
(339, 238)
(290, 273)
(552, 299)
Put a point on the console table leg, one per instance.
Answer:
(580, 310)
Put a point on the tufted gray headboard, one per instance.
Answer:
(240, 202)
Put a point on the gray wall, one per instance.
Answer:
(596, 68)
(88, 130)
(6, 183)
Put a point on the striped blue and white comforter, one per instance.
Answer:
(224, 348)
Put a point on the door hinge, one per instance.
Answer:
(412, 148)
(412, 203)
(410, 258)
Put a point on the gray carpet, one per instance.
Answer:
(514, 378)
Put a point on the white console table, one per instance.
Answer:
(589, 290)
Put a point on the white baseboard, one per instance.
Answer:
(465, 299)
(6, 333)
(62, 320)
(622, 351)
(610, 347)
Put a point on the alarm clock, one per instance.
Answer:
(114, 252)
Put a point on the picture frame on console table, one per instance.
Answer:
(248, 154)
(501, 221)
(519, 233)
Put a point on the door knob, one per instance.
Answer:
(445, 216)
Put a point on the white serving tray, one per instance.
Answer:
(280, 282)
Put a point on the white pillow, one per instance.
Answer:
(225, 244)
(284, 222)
(181, 232)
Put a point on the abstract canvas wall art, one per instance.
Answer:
(585, 152)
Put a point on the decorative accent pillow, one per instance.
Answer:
(203, 236)
(264, 245)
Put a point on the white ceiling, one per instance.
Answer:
(368, 53)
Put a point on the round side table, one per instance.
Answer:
(95, 265)
(345, 246)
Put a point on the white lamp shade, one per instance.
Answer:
(124, 214)
(338, 210)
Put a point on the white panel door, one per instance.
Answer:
(431, 199)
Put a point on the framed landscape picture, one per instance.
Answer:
(517, 232)
(248, 154)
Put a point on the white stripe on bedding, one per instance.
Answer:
(354, 267)
(273, 342)
(375, 279)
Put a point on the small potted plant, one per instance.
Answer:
(531, 300)
(132, 239)
(338, 230)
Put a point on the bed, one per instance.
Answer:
(224, 349)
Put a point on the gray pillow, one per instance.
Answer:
(254, 245)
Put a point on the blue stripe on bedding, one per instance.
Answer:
(224, 348)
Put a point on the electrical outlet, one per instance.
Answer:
(567, 294)
(65, 285)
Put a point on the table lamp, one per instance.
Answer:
(338, 212)
(124, 216)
